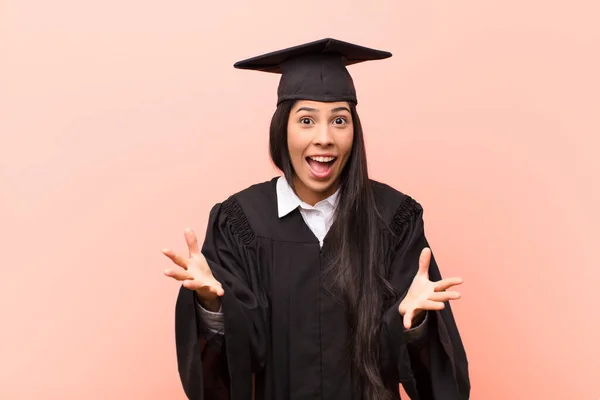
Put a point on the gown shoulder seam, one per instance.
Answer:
(405, 212)
(238, 221)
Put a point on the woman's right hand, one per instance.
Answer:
(195, 273)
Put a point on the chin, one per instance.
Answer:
(322, 186)
(319, 186)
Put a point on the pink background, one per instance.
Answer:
(123, 122)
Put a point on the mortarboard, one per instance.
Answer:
(314, 71)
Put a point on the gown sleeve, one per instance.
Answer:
(435, 366)
(220, 366)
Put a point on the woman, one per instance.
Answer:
(318, 284)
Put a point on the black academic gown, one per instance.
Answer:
(284, 327)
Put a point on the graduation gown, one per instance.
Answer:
(283, 327)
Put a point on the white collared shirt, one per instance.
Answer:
(319, 217)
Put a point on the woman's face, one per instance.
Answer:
(320, 137)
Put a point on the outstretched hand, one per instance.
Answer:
(194, 273)
(424, 294)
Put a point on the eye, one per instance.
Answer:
(305, 121)
(339, 120)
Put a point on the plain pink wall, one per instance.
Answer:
(123, 122)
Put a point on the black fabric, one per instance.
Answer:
(315, 70)
(283, 326)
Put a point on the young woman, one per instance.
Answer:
(318, 284)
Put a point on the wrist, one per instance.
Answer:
(212, 303)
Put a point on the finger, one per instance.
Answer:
(192, 284)
(432, 305)
(447, 283)
(177, 259)
(192, 241)
(444, 296)
(179, 274)
(424, 261)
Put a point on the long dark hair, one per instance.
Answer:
(357, 263)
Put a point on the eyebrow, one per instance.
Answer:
(310, 109)
(340, 109)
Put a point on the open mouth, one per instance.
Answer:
(321, 166)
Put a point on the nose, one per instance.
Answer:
(323, 136)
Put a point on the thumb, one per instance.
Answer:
(408, 319)
(424, 261)
(212, 287)
(219, 289)
(216, 287)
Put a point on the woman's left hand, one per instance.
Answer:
(424, 294)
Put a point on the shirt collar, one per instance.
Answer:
(288, 201)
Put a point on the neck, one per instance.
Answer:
(312, 197)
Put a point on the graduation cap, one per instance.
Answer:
(315, 70)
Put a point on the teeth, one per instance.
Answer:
(322, 159)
